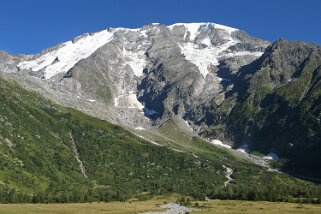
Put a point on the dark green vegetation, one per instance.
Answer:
(40, 141)
(275, 106)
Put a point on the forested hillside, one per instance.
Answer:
(50, 153)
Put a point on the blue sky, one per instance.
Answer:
(29, 26)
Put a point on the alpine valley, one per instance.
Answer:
(199, 109)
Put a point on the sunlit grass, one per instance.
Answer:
(204, 207)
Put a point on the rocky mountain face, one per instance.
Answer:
(141, 77)
(218, 81)
(278, 105)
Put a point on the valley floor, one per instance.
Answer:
(204, 207)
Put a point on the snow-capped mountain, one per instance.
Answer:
(64, 57)
(212, 80)
(196, 46)
(136, 77)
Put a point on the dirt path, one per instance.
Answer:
(172, 208)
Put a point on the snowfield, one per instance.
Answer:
(204, 57)
(220, 143)
(71, 52)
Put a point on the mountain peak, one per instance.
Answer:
(63, 57)
(69, 53)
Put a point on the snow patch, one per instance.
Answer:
(133, 102)
(188, 125)
(139, 128)
(136, 60)
(220, 143)
(192, 28)
(244, 53)
(223, 79)
(65, 57)
(207, 41)
(226, 28)
(244, 149)
(116, 101)
(149, 112)
(128, 100)
(203, 58)
(271, 156)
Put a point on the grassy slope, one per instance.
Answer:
(36, 157)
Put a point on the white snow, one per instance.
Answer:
(244, 53)
(139, 128)
(244, 149)
(91, 100)
(223, 27)
(223, 79)
(116, 101)
(65, 57)
(136, 60)
(204, 57)
(133, 102)
(271, 156)
(206, 41)
(149, 112)
(188, 125)
(220, 143)
(193, 28)
(69, 53)
(128, 100)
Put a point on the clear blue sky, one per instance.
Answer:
(29, 26)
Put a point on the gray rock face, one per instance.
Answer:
(8, 62)
(142, 77)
